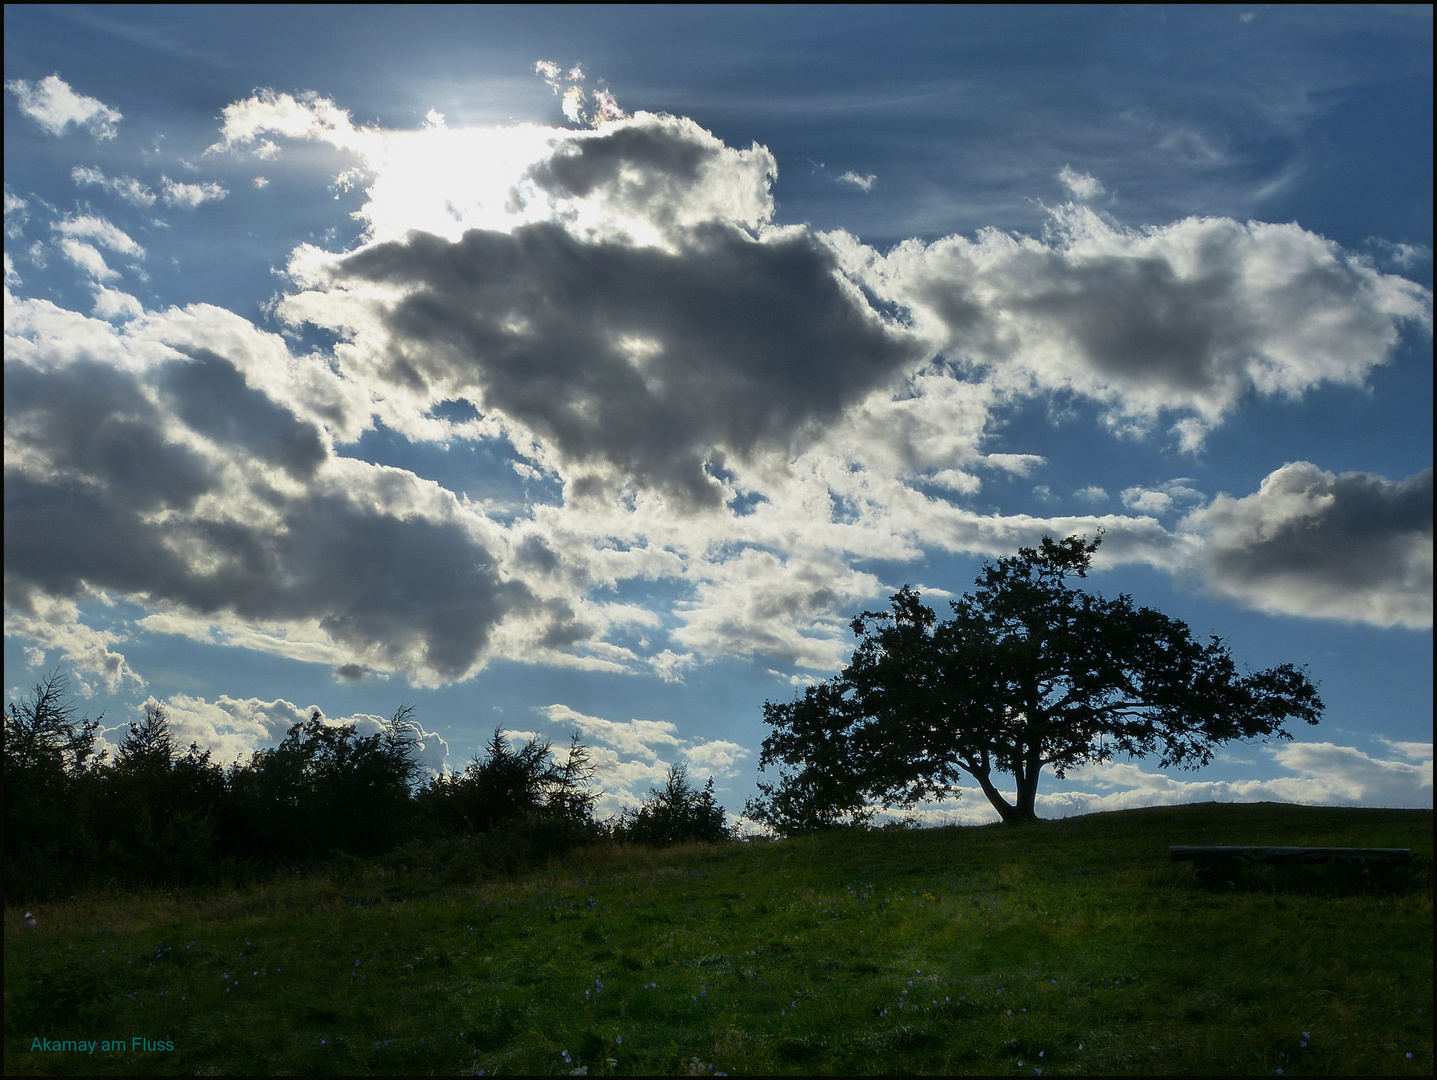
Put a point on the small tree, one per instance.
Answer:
(50, 762)
(326, 787)
(1030, 673)
(675, 813)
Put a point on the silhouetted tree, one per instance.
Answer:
(1029, 673)
(49, 757)
(326, 787)
(157, 810)
(675, 813)
(519, 791)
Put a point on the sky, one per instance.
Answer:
(589, 369)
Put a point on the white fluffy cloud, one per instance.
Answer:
(54, 106)
(1186, 317)
(631, 756)
(102, 232)
(190, 195)
(1081, 186)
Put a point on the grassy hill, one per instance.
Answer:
(1063, 947)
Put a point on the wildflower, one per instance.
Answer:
(619, 1039)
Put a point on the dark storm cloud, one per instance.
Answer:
(210, 395)
(99, 498)
(92, 419)
(1353, 546)
(648, 359)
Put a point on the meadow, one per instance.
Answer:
(1062, 947)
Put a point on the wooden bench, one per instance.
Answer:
(1218, 862)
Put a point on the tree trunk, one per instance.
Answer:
(1027, 780)
(1006, 810)
(1027, 797)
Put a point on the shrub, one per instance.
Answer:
(674, 813)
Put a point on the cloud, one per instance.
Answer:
(53, 623)
(54, 106)
(127, 188)
(87, 259)
(114, 304)
(651, 176)
(1081, 186)
(1413, 751)
(655, 363)
(102, 232)
(716, 757)
(308, 116)
(1355, 546)
(15, 214)
(864, 182)
(635, 737)
(1187, 317)
(1016, 464)
(631, 756)
(1402, 256)
(109, 430)
(231, 728)
(759, 604)
(730, 412)
(190, 195)
(1158, 500)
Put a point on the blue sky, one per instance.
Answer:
(590, 368)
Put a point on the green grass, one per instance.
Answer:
(1071, 946)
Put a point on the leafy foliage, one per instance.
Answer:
(48, 759)
(326, 788)
(518, 790)
(160, 815)
(675, 813)
(1029, 673)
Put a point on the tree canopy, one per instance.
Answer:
(1030, 673)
